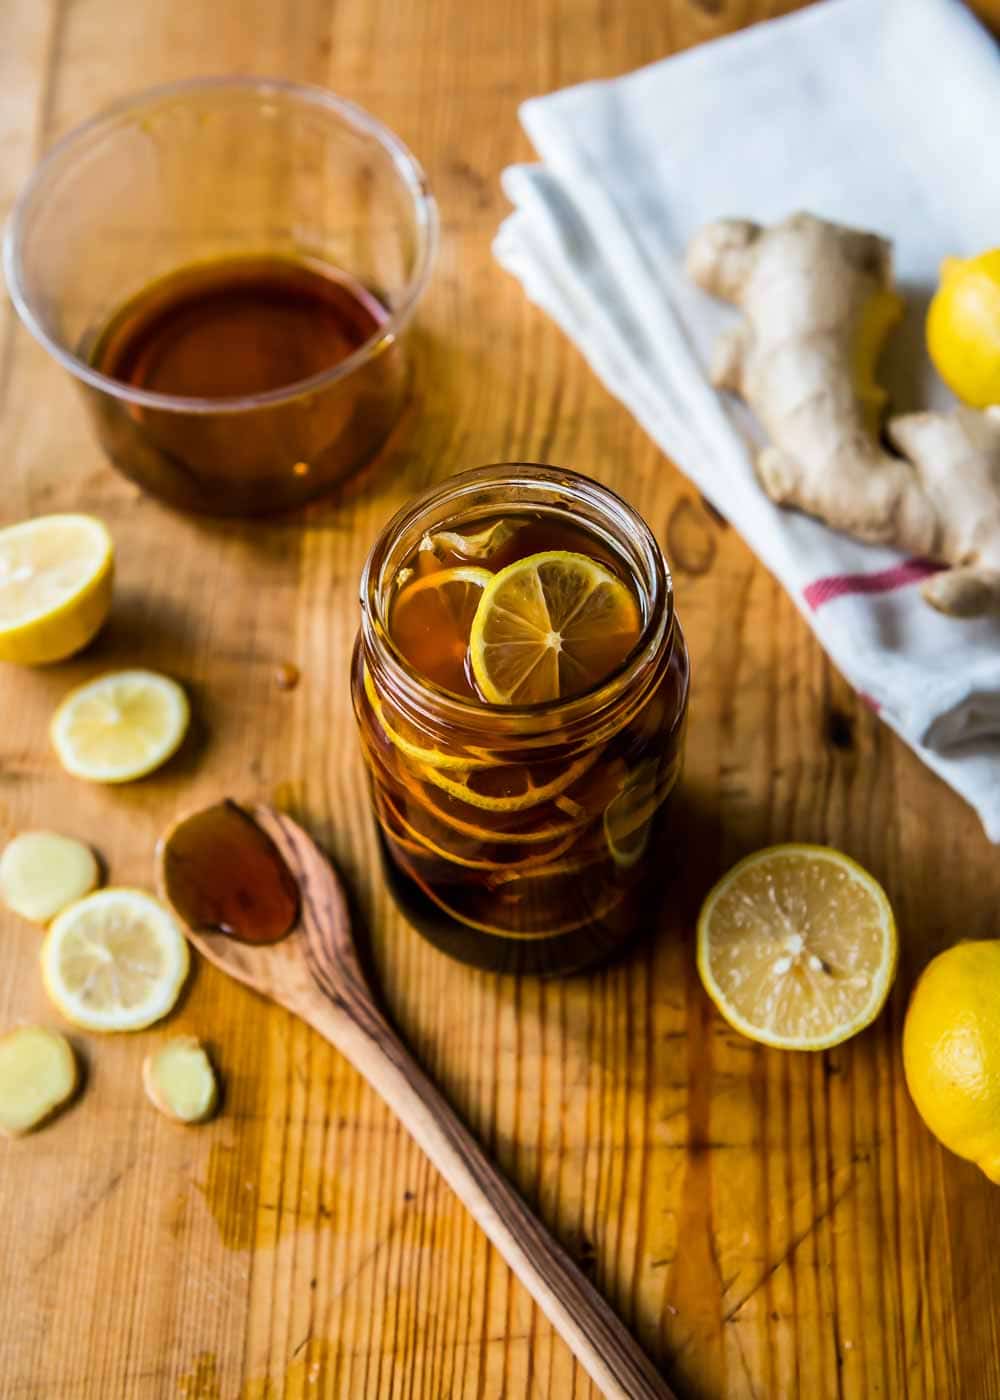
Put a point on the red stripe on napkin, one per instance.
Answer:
(824, 590)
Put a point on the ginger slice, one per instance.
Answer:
(41, 873)
(38, 1074)
(180, 1081)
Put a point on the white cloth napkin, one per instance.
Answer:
(877, 113)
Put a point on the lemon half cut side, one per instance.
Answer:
(56, 576)
(797, 947)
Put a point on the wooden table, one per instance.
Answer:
(769, 1224)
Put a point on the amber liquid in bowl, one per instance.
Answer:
(519, 861)
(233, 329)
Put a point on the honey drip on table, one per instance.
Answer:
(221, 872)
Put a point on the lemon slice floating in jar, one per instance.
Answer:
(115, 961)
(551, 626)
(409, 744)
(797, 947)
(56, 574)
(120, 726)
(431, 619)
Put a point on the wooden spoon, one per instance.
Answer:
(315, 973)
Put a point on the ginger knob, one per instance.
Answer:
(38, 1075)
(180, 1081)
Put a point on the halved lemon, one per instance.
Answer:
(56, 575)
(120, 726)
(115, 961)
(797, 947)
(464, 852)
(431, 620)
(550, 626)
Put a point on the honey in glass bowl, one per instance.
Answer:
(520, 682)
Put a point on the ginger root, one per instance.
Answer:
(818, 302)
(180, 1081)
(38, 1074)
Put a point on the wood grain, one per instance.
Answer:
(769, 1225)
(315, 973)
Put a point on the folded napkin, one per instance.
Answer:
(876, 113)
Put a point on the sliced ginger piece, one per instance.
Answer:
(38, 1074)
(180, 1081)
(41, 873)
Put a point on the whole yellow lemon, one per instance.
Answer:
(951, 1051)
(963, 328)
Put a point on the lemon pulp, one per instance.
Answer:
(120, 726)
(56, 576)
(115, 961)
(797, 947)
(550, 626)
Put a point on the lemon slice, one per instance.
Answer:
(511, 787)
(115, 961)
(425, 755)
(421, 843)
(797, 947)
(628, 817)
(431, 620)
(531, 917)
(521, 832)
(120, 726)
(56, 574)
(550, 626)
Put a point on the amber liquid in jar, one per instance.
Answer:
(233, 330)
(520, 838)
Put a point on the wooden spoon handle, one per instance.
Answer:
(599, 1340)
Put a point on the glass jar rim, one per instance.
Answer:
(433, 703)
(106, 122)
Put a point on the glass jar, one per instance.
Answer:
(279, 201)
(524, 838)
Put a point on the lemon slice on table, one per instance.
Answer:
(550, 626)
(797, 947)
(115, 961)
(431, 620)
(56, 574)
(120, 726)
(628, 817)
